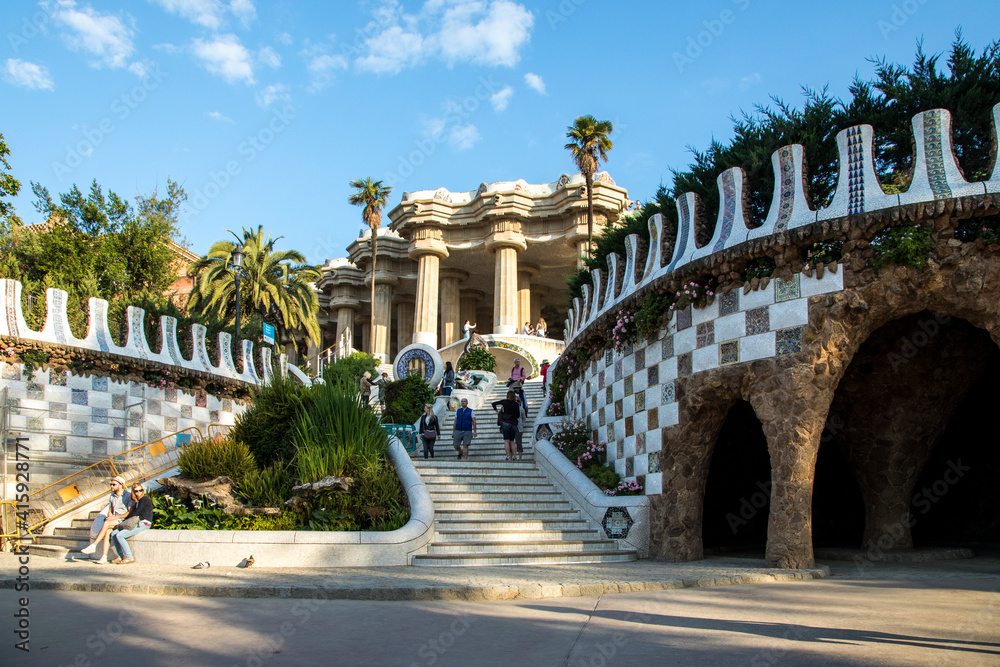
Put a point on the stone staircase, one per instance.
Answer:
(64, 541)
(488, 511)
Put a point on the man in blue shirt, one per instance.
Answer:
(465, 429)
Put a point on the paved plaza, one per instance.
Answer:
(938, 613)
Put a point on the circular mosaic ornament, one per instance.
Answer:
(421, 360)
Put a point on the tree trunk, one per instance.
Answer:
(590, 213)
(371, 326)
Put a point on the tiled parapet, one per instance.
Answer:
(98, 339)
(936, 176)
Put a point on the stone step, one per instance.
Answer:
(487, 486)
(468, 560)
(80, 532)
(497, 495)
(479, 535)
(453, 465)
(510, 515)
(505, 505)
(522, 547)
(69, 542)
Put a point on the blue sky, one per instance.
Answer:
(264, 111)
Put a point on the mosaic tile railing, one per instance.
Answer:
(57, 332)
(936, 176)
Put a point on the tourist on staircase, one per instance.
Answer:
(522, 416)
(509, 414)
(448, 381)
(430, 430)
(517, 377)
(465, 429)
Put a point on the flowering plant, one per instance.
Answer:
(626, 488)
(698, 294)
(625, 331)
(824, 252)
(592, 453)
(556, 410)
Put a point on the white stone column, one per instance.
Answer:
(383, 315)
(404, 323)
(525, 273)
(451, 322)
(505, 240)
(345, 321)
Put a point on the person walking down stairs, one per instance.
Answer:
(510, 414)
(430, 430)
(465, 429)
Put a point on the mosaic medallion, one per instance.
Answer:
(617, 523)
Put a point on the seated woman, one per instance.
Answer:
(143, 512)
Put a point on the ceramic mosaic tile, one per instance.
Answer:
(669, 395)
(186, 411)
(201, 400)
(99, 415)
(758, 321)
(629, 426)
(170, 395)
(99, 447)
(640, 401)
(593, 402)
(600, 380)
(57, 379)
(153, 434)
(667, 345)
(118, 401)
(627, 352)
(684, 364)
(170, 424)
(729, 302)
(79, 397)
(153, 407)
(57, 443)
(227, 404)
(628, 385)
(652, 419)
(609, 357)
(213, 416)
(640, 359)
(684, 318)
(135, 418)
(135, 389)
(789, 341)
(119, 433)
(729, 352)
(652, 376)
(78, 428)
(99, 383)
(640, 443)
(57, 410)
(602, 418)
(609, 394)
(654, 462)
(786, 289)
(14, 406)
(34, 392)
(10, 372)
(619, 449)
(619, 409)
(618, 370)
(34, 424)
(630, 466)
(705, 334)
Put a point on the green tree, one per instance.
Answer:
(590, 144)
(373, 196)
(9, 187)
(275, 284)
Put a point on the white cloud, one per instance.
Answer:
(269, 57)
(102, 35)
(284, 38)
(501, 98)
(463, 137)
(535, 82)
(27, 75)
(275, 92)
(322, 68)
(140, 68)
(225, 56)
(485, 32)
(749, 81)
(211, 14)
(215, 115)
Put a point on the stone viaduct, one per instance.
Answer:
(874, 363)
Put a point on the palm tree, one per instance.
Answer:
(372, 195)
(275, 284)
(589, 145)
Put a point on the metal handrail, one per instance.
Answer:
(135, 465)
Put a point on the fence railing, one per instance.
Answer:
(135, 465)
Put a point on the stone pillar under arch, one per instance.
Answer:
(345, 321)
(404, 323)
(469, 301)
(538, 292)
(525, 272)
(381, 327)
(428, 250)
(505, 241)
(451, 322)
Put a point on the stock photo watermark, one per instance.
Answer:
(898, 17)
(30, 27)
(703, 39)
(433, 649)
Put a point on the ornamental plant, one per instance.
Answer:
(694, 292)
(626, 488)
(824, 252)
(625, 331)
(555, 409)
(477, 359)
(909, 246)
(650, 316)
(759, 267)
(987, 228)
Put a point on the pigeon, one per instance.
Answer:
(250, 562)
(203, 565)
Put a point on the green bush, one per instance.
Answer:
(759, 267)
(268, 487)
(605, 478)
(266, 426)
(377, 501)
(212, 458)
(169, 513)
(350, 369)
(287, 520)
(337, 428)
(649, 318)
(478, 359)
(824, 252)
(405, 400)
(909, 246)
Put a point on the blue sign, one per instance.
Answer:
(269, 333)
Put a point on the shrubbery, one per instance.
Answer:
(267, 424)
(909, 246)
(349, 369)
(209, 458)
(477, 359)
(405, 400)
